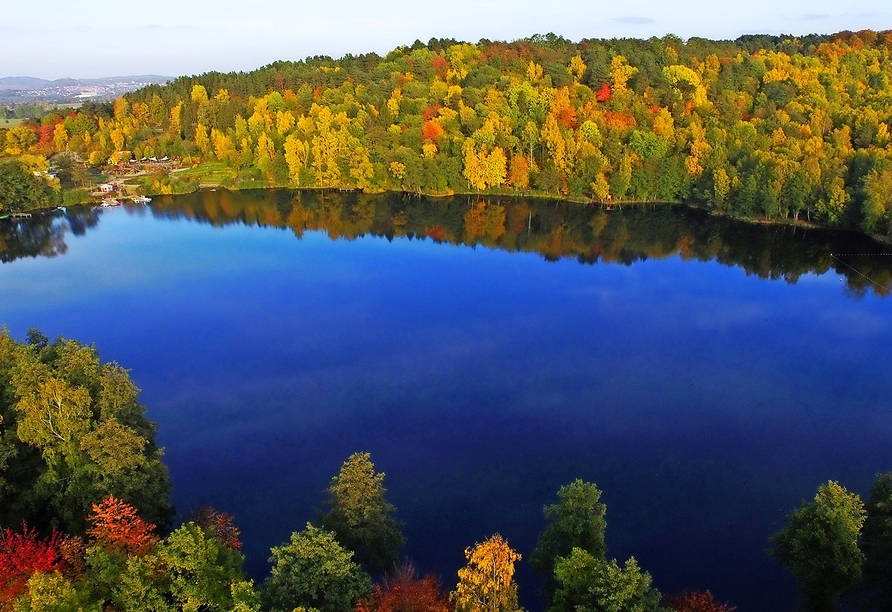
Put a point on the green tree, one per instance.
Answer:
(79, 435)
(314, 571)
(588, 584)
(819, 545)
(360, 517)
(21, 190)
(876, 544)
(576, 521)
(190, 570)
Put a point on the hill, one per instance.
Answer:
(767, 127)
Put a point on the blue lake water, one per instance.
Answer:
(705, 400)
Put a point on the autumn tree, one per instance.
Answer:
(86, 437)
(23, 554)
(115, 525)
(696, 602)
(360, 516)
(219, 524)
(486, 584)
(405, 592)
(819, 545)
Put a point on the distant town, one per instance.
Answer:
(29, 90)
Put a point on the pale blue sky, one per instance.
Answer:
(90, 38)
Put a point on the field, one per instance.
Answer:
(208, 173)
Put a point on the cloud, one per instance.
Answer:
(633, 20)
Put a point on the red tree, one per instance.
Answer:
(220, 525)
(603, 94)
(431, 111)
(406, 593)
(117, 526)
(432, 130)
(440, 66)
(696, 602)
(21, 556)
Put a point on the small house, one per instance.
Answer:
(106, 188)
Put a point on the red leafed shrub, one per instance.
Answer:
(440, 66)
(406, 593)
(432, 130)
(431, 111)
(619, 121)
(21, 556)
(696, 602)
(567, 117)
(45, 133)
(117, 526)
(603, 94)
(220, 525)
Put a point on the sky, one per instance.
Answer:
(90, 39)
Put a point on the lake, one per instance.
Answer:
(707, 374)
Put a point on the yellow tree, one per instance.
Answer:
(296, 152)
(475, 165)
(60, 137)
(486, 584)
(175, 117)
(201, 138)
(223, 146)
(576, 68)
(621, 72)
(265, 152)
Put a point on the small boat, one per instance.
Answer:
(107, 202)
(141, 199)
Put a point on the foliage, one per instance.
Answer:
(220, 524)
(486, 584)
(21, 556)
(80, 435)
(404, 592)
(819, 545)
(588, 584)
(313, 570)
(764, 126)
(21, 190)
(876, 544)
(116, 526)
(360, 517)
(576, 521)
(696, 602)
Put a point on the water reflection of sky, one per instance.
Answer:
(704, 402)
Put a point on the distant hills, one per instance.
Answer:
(29, 90)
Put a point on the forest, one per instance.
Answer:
(776, 128)
(87, 526)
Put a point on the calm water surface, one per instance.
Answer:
(648, 352)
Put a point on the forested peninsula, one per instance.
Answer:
(782, 129)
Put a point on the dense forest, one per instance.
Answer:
(778, 128)
(87, 526)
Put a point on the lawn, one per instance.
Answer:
(208, 173)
